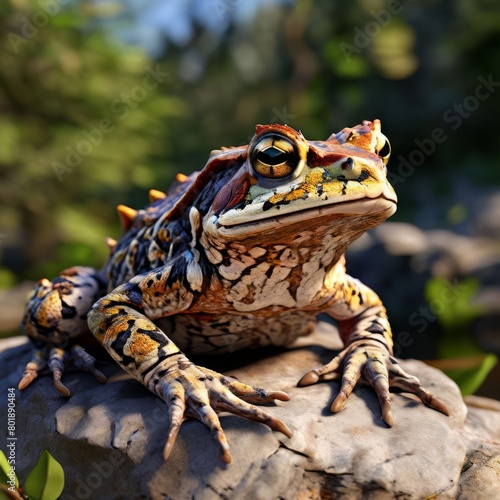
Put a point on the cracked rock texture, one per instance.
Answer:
(109, 438)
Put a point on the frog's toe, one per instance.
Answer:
(408, 383)
(371, 363)
(176, 409)
(192, 401)
(350, 377)
(55, 360)
(201, 393)
(84, 361)
(37, 364)
(375, 372)
(205, 413)
(226, 401)
(239, 398)
(249, 393)
(330, 371)
(57, 363)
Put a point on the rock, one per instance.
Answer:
(109, 438)
(484, 417)
(481, 472)
(401, 238)
(488, 216)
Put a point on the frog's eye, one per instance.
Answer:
(274, 157)
(384, 151)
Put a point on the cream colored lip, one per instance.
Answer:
(363, 206)
(256, 214)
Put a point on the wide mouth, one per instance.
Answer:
(382, 207)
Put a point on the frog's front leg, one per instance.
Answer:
(122, 322)
(366, 333)
(55, 315)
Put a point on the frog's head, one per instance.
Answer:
(282, 182)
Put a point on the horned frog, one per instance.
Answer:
(243, 254)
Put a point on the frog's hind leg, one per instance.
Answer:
(55, 315)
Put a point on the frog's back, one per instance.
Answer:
(151, 236)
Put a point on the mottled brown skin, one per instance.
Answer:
(243, 254)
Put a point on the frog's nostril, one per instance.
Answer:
(347, 163)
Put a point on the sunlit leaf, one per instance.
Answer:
(346, 59)
(470, 379)
(452, 302)
(392, 51)
(5, 469)
(46, 480)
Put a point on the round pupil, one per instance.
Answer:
(273, 156)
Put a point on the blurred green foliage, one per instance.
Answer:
(318, 66)
(468, 365)
(55, 90)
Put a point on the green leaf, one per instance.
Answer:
(455, 310)
(46, 480)
(452, 302)
(470, 379)
(5, 469)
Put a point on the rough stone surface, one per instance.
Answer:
(109, 438)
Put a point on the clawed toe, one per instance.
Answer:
(377, 368)
(84, 361)
(412, 385)
(204, 397)
(32, 369)
(55, 360)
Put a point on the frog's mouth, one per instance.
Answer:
(351, 186)
(233, 224)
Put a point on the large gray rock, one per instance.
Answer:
(109, 438)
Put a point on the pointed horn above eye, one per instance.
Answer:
(181, 178)
(111, 243)
(127, 216)
(155, 195)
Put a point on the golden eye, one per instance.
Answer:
(385, 150)
(274, 157)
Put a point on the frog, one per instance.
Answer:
(243, 254)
